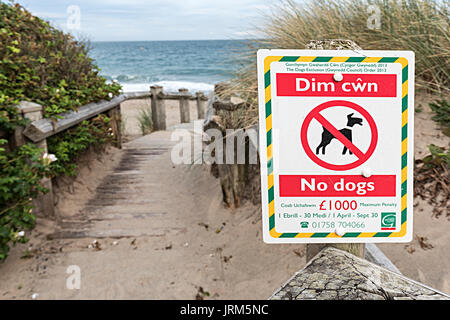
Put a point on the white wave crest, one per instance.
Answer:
(169, 86)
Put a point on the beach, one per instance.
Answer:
(112, 184)
(192, 247)
(189, 247)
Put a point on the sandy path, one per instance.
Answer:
(174, 213)
(163, 235)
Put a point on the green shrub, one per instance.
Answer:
(20, 174)
(40, 63)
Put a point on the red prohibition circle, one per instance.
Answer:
(362, 157)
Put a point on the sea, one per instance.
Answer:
(194, 65)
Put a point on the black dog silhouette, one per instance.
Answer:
(327, 136)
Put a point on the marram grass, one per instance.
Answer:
(420, 26)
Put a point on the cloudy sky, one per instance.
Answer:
(111, 20)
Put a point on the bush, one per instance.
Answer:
(40, 63)
(20, 174)
(418, 25)
(69, 144)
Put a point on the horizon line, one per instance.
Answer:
(252, 39)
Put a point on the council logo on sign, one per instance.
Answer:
(388, 221)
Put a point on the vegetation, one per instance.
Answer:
(432, 179)
(418, 25)
(145, 121)
(21, 172)
(438, 157)
(40, 63)
(441, 108)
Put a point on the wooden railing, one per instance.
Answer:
(183, 96)
(39, 128)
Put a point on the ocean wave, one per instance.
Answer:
(169, 86)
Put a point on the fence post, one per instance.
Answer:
(43, 204)
(158, 109)
(116, 118)
(184, 107)
(201, 103)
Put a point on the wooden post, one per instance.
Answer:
(184, 107)
(158, 109)
(43, 204)
(116, 118)
(336, 275)
(357, 249)
(201, 105)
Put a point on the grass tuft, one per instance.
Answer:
(145, 121)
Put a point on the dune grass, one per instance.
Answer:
(418, 25)
(145, 121)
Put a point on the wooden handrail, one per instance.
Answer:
(174, 95)
(38, 129)
(138, 95)
(180, 95)
(41, 129)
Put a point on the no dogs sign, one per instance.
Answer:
(336, 138)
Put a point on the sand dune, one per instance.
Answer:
(168, 236)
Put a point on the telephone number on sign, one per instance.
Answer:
(339, 224)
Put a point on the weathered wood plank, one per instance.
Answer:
(41, 129)
(233, 104)
(185, 116)
(115, 116)
(175, 95)
(158, 109)
(334, 274)
(138, 95)
(201, 103)
(358, 249)
(43, 203)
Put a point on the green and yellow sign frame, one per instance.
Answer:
(265, 60)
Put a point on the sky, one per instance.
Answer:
(135, 20)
